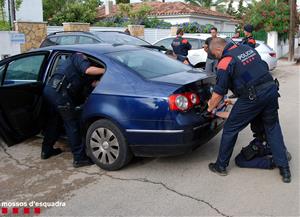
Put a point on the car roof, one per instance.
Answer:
(91, 48)
(202, 36)
(91, 33)
(70, 33)
(240, 39)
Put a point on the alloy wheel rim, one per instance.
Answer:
(105, 146)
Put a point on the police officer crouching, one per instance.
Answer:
(180, 45)
(62, 94)
(242, 70)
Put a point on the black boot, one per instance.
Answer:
(52, 152)
(217, 169)
(82, 163)
(285, 173)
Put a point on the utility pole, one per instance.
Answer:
(9, 13)
(292, 4)
(13, 13)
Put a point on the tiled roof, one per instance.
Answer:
(168, 8)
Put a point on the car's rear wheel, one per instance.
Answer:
(107, 146)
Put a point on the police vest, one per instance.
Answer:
(249, 41)
(249, 69)
(179, 46)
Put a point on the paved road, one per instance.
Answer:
(173, 186)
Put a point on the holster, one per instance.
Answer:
(69, 112)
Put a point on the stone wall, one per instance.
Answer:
(137, 30)
(174, 30)
(76, 27)
(35, 33)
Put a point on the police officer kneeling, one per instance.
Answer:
(241, 70)
(62, 94)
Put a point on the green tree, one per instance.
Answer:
(16, 3)
(269, 15)
(241, 9)
(56, 11)
(219, 4)
(122, 1)
(136, 16)
(230, 9)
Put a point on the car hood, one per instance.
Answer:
(182, 78)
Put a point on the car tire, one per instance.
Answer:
(107, 146)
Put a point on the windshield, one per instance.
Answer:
(149, 64)
(120, 38)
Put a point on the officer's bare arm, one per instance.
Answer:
(92, 70)
(214, 101)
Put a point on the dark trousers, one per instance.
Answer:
(61, 110)
(264, 162)
(243, 112)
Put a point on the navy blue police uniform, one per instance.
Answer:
(242, 71)
(250, 41)
(62, 95)
(181, 46)
(258, 153)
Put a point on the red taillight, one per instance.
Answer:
(183, 102)
(272, 55)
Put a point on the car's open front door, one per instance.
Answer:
(21, 96)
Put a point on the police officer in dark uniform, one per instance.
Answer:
(62, 93)
(180, 45)
(241, 70)
(258, 153)
(248, 39)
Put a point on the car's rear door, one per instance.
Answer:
(21, 85)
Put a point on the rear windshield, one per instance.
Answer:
(119, 38)
(149, 64)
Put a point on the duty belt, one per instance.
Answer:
(57, 82)
(251, 91)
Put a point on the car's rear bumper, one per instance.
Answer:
(172, 142)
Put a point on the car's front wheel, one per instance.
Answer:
(107, 146)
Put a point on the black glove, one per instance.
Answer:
(207, 115)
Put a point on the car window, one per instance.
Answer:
(120, 38)
(66, 40)
(195, 43)
(149, 64)
(49, 42)
(86, 40)
(59, 62)
(23, 70)
(165, 43)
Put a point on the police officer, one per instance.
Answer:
(180, 45)
(248, 39)
(241, 70)
(211, 62)
(258, 153)
(62, 94)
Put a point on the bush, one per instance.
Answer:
(119, 21)
(4, 26)
(269, 16)
(156, 23)
(195, 27)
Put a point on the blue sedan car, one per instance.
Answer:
(146, 104)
